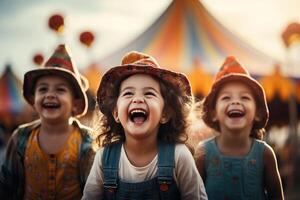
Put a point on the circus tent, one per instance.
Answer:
(187, 32)
(187, 38)
(13, 110)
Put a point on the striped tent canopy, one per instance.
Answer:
(13, 109)
(187, 32)
(187, 38)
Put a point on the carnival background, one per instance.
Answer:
(190, 36)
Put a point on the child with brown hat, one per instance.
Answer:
(50, 158)
(144, 120)
(237, 164)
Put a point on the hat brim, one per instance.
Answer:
(117, 74)
(210, 100)
(31, 77)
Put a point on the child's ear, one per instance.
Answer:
(257, 118)
(115, 115)
(164, 118)
(214, 116)
(78, 105)
(31, 100)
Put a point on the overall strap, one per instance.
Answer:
(110, 164)
(254, 168)
(166, 166)
(210, 150)
(257, 150)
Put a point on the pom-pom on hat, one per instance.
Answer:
(61, 64)
(139, 63)
(231, 70)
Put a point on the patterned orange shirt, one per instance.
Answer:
(52, 176)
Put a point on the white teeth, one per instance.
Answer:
(235, 111)
(50, 105)
(138, 111)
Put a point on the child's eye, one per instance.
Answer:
(246, 98)
(150, 94)
(225, 98)
(127, 93)
(42, 89)
(61, 89)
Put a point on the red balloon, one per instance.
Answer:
(38, 59)
(87, 38)
(56, 22)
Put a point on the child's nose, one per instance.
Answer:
(138, 100)
(235, 102)
(50, 94)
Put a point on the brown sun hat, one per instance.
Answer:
(139, 63)
(61, 64)
(230, 71)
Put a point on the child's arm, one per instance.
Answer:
(11, 171)
(200, 160)
(271, 174)
(189, 181)
(94, 185)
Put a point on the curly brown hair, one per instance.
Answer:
(177, 105)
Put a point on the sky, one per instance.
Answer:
(24, 26)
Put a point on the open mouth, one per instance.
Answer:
(235, 113)
(138, 116)
(51, 105)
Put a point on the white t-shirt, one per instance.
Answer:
(187, 178)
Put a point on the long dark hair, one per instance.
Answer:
(177, 105)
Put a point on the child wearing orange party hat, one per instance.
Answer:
(237, 164)
(145, 109)
(50, 158)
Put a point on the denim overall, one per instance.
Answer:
(161, 187)
(234, 178)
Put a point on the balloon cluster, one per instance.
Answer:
(56, 23)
